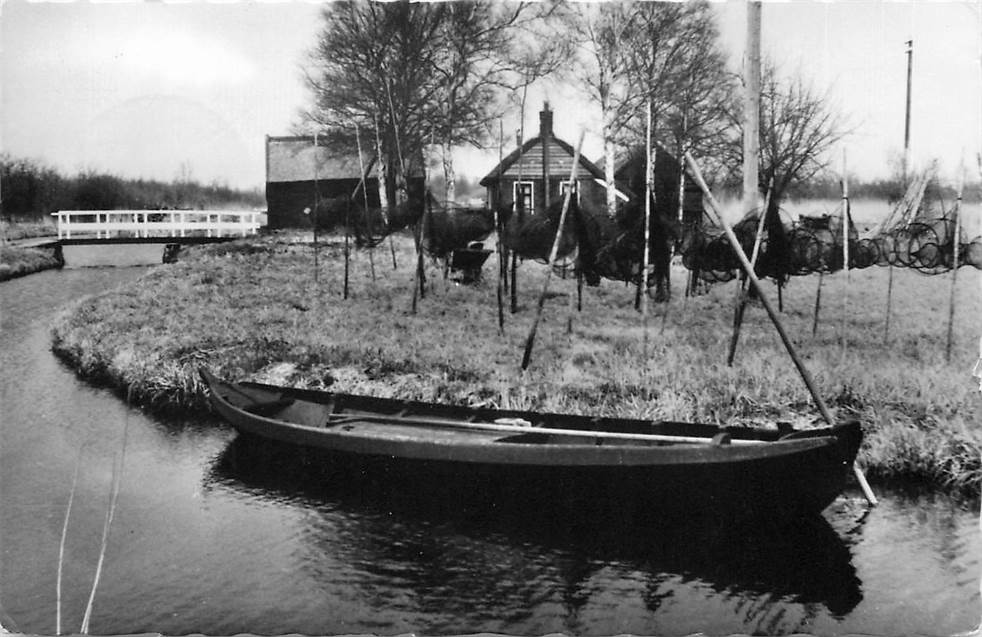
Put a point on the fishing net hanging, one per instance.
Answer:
(618, 244)
(531, 235)
(450, 228)
(706, 249)
(371, 226)
(920, 234)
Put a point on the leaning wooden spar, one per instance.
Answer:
(630, 464)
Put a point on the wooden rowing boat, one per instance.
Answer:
(628, 463)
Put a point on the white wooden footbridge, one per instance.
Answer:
(146, 224)
(94, 238)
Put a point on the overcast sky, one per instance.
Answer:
(154, 89)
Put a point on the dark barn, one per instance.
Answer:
(298, 175)
(630, 175)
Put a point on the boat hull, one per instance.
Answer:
(797, 474)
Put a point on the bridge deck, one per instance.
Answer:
(150, 224)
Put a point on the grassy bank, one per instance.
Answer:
(27, 229)
(254, 309)
(15, 262)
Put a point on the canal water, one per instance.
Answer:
(220, 535)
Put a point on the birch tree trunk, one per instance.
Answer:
(383, 172)
(609, 158)
(449, 174)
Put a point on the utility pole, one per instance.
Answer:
(910, 67)
(751, 123)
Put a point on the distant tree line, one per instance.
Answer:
(890, 189)
(31, 190)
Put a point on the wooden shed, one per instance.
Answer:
(299, 173)
(537, 173)
(629, 174)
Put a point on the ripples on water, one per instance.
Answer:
(221, 535)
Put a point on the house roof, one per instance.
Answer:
(295, 158)
(626, 158)
(525, 151)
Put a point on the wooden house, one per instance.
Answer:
(537, 173)
(298, 174)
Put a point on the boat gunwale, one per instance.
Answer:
(556, 453)
(581, 421)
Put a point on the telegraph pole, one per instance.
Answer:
(910, 67)
(751, 123)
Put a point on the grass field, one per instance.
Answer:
(255, 309)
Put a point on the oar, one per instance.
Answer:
(748, 268)
(340, 419)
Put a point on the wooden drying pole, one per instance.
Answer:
(740, 302)
(681, 226)
(906, 160)
(516, 209)
(818, 296)
(748, 268)
(845, 257)
(419, 276)
(314, 216)
(648, 190)
(955, 247)
(913, 196)
(845, 250)
(347, 246)
(364, 190)
(498, 247)
(751, 100)
(751, 144)
(383, 199)
(530, 341)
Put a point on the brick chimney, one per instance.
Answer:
(545, 121)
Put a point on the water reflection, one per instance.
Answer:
(457, 562)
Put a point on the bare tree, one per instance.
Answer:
(667, 53)
(798, 128)
(425, 72)
(373, 66)
(601, 64)
(488, 50)
(678, 65)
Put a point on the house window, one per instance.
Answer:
(564, 186)
(522, 194)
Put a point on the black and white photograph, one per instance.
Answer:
(459, 317)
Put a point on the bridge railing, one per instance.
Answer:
(156, 223)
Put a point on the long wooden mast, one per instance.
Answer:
(751, 123)
(752, 277)
(530, 341)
